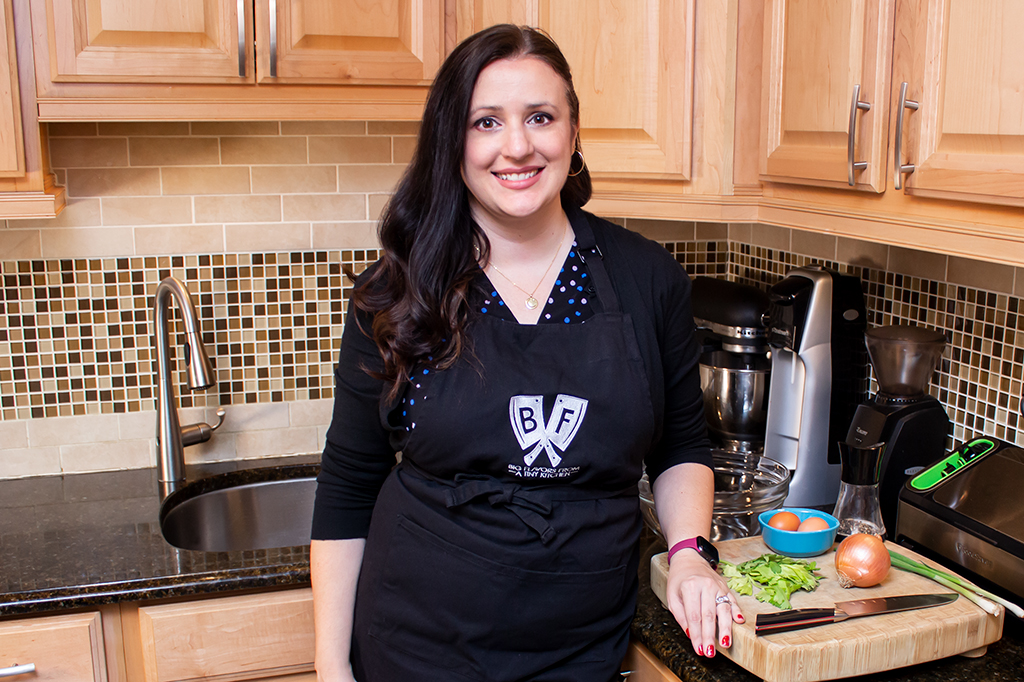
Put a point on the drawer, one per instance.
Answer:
(242, 637)
(66, 648)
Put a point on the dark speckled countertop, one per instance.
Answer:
(76, 541)
(88, 539)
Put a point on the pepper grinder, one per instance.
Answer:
(858, 508)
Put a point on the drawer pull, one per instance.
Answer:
(901, 167)
(273, 38)
(18, 670)
(851, 143)
(240, 8)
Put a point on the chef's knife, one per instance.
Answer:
(795, 619)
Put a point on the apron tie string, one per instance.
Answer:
(528, 505)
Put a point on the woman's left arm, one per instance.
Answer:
(684, 497)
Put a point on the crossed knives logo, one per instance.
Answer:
(526, 412)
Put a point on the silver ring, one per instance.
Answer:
(722, 599)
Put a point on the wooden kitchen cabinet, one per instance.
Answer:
(961, 63)
(391, 42)
(235, 60)
(961, 135)
(212, 41)
(27, 189)
(826, 81)
(64, 648)
(239, 637)
(632, 65)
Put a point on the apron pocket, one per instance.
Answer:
(457, 610)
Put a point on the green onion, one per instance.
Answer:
(954, 582)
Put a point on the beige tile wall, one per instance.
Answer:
(184, 188)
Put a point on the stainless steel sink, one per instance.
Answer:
(258, 509)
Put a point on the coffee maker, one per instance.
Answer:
(911, 424)
(734, 362)
(815, 326)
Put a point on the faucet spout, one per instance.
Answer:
(170, 446)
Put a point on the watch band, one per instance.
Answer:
(699, 545)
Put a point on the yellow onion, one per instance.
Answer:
(862, 561)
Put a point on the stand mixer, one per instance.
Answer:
(901, 416)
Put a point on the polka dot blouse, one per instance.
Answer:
(568, 303)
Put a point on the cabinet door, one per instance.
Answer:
(67, 648)
(632, 65)
(816, 56)
(398, 42)
(12, 139)
(239, 637)
(149, 41)
(962, 64)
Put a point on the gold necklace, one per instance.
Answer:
(531, 296)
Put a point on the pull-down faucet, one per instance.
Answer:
(171, 437)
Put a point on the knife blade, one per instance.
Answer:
(796, 619)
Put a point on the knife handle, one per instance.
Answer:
(795, 619)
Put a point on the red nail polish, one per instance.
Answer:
(711, 652)
(740, 617)
(726, 641)
(687, 632)
(700, 651)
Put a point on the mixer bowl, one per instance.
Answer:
(735, 394)
(745, 486)
(904, 357)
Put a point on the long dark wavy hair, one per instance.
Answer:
(418, 294)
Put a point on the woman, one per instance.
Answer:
(504, 545)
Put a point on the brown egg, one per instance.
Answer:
(813, 523)
(785, 520)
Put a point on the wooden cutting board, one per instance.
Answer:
(857, 646)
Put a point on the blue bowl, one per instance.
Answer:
(795, 543)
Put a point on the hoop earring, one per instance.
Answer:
(583, 164)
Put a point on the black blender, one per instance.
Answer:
(901, 428)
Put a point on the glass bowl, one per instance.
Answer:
(746, 484)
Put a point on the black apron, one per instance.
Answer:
(503, 547)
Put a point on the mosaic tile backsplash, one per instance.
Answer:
(77, 336)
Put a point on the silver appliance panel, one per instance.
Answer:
(962, 548)
(989, 492)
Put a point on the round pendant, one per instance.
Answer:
(532, 303)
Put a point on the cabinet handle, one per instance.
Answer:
(18, 670)
(240, 8)
(901, 167)
(851, 142)
(273, 38)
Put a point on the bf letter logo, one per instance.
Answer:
(526, 412)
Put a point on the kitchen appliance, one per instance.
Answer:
(816, 326)
(911, 424)
(798, 619)
(965, 508)
(734, 361)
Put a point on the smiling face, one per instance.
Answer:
(519, 143)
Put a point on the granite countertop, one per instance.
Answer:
(89, 539)
(83, 540)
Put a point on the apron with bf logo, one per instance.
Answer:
(504, 546)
